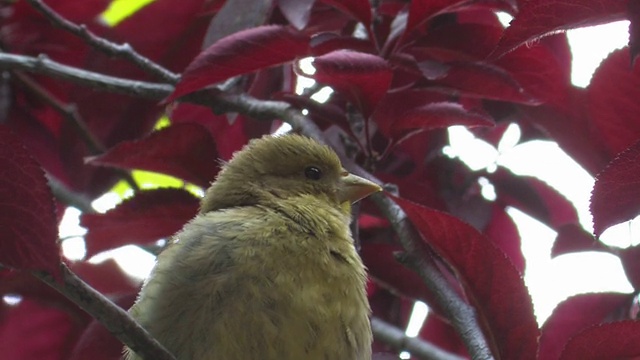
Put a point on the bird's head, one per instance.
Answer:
(283, 167)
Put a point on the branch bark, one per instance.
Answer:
(114, 318)
(122, 50)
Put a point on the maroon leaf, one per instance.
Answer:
(459, 42)
(27, 214)
(504, 234)
(173, 30)
(185, 151)
(32, 331)
(438, 332)
(611, 94)
(618, 340)
(493, 284)
(536, 19)
(390, 274)
(485, 80)
(574, 315)
(363, 78)
(148, 216)
(229, 135)
(540, 73)
(615, 193)
(573, 238)
(634, 29)
(327, 42)
(106, 277)
(630, 258)
(534, 197)
(420, 11)
(241, 53)
(404, 111)
(359, 9)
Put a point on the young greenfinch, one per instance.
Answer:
(267, 269)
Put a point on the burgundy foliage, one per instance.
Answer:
(401, 73)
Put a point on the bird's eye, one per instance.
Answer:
(313, 173)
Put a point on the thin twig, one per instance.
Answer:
(68, 111)
(71, 115)
(114, 318)
(396, 338)
(112, 49)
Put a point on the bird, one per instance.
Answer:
(267, 269)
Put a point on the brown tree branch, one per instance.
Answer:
(114, 318)
(43, 65)
(122, 50)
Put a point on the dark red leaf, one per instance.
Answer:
(536, 19)
(29, 287)
(618, 340)
(438, 332)
(615, 193)
(185, 151)
(32, 331)
(503, 232)
(173, 30)
(390, 274)
(573, 238)
(494, 285)
(486, 81)
(459, 42)
(106, 277)
(401, 112)
(612, 95)
(241, 53)
(634, 28)
(148, 216)
(359, 9)
(421, 11)
(539, 72)
(229, 134)
(327, 42)
(630, 258)
(363, 78)
(533, 197)
(27, 214)
(574, 315)
(296, 11)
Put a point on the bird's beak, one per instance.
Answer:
(354, 188)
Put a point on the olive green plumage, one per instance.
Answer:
(267, 269)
